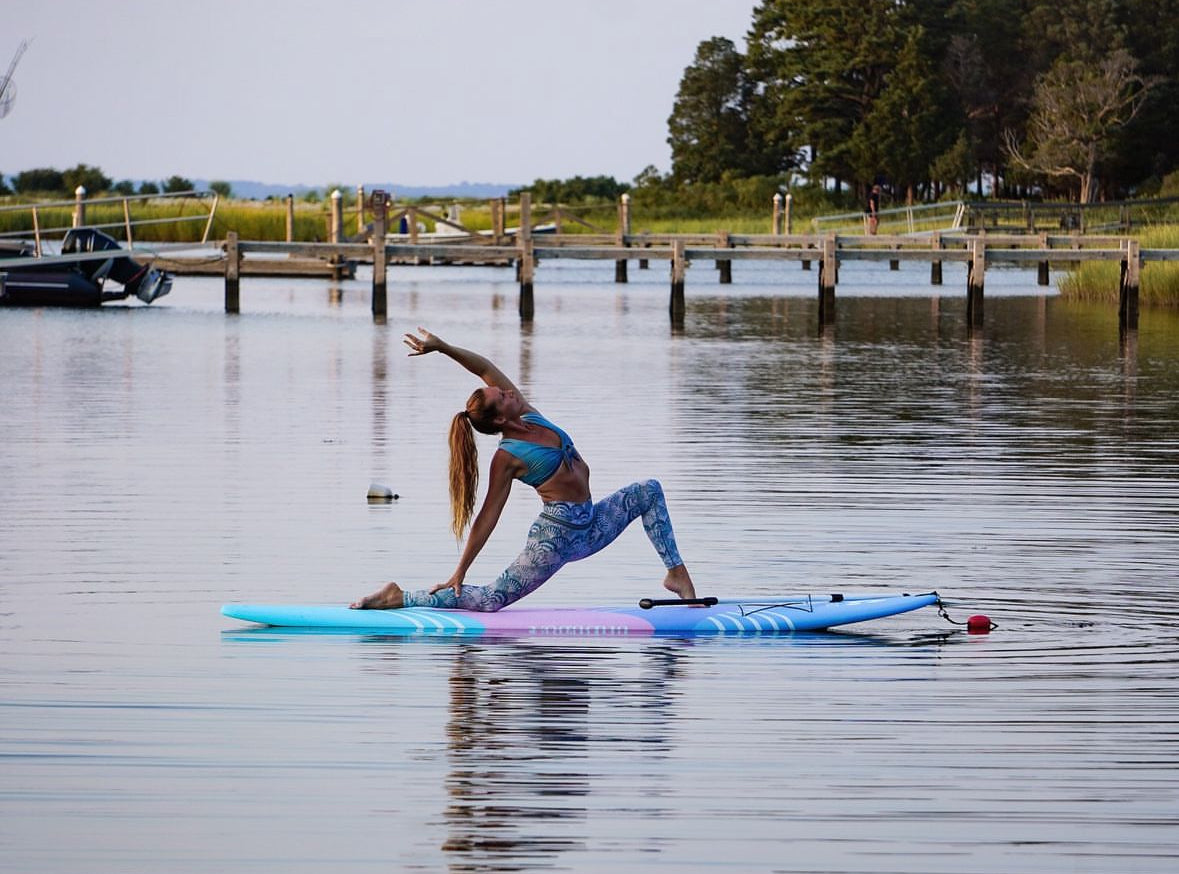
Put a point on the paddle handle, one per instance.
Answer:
(648, 603)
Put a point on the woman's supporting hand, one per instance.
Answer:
(455, 582)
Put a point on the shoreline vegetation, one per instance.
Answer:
(266, 221)
(1098, 281)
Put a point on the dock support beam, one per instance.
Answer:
(380, 260)
(1042, 266)
(233, 267)
(828, 268)
(623, 233)
(935, 267)
(678, 270)
(1128, 287)
(725, 265)
(527, 304)
(975, 282)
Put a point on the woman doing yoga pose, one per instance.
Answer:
(532, 449)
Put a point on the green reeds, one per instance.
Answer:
(1098, 280)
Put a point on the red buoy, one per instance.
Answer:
(979, 624)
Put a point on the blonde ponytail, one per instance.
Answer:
(464, 473)
(464, 459)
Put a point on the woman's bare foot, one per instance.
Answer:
(679, 582)
(388, 597)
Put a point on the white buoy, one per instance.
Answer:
(378, 492)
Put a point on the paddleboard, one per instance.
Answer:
(755, 615)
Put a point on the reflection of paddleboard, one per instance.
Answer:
(757, 615)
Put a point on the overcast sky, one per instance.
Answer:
(340, 91)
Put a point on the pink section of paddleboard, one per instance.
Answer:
(540, 621)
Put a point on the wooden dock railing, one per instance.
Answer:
(526, 251)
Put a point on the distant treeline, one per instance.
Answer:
(1067, 99)
(1072, 98)
(44, 181)
(1059, 99)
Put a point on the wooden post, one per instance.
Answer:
(894, 263)
(36, 232)
(380, 262)
(525, 267)
(1042, 266)
(788, 223)
(935, 267)
(623, 233)
(677, 307)
(127, 223)
(336, 226)
(290, 218)
(827, 276)
(497, 218)
(360, 209)
(1128, 288)
(776, 222)
(232, 274)
(975, 281)
(79, 206)
(725, 266)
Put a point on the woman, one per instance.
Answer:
(534, 450)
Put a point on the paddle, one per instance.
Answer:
(648, 603)
(834, 598)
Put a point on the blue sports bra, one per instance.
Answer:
(542, 461)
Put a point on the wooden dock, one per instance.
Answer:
(976, 251)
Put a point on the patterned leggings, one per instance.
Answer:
(564, 532)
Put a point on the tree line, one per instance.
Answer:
(1068, 98)
(1061, 99)
(63, 183)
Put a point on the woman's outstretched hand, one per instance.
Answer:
(424, 344)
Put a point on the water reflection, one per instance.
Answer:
(525, 746)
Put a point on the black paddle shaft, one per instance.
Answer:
(648, 603)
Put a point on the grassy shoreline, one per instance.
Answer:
(267, 220)
(1098, 280)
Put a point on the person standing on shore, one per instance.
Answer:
(570, 526)
(872, 213)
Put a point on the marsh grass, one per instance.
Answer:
(1098, 280)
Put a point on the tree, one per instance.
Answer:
(905, 128)
(40, 181)
(820, 65)
(123, 186)
(954, 167)
(148, 188)
(90, 178)
(177, 184)
(709, 131)
(1078, 107)
(221, 189)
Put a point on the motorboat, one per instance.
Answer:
(73, 280)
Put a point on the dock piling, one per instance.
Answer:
(233, 268)
(828, 268)
(1131, 275)
(526, 263)
(380, 302)
(678, 269)
(975, 273)
(623, 233)
(935, 267)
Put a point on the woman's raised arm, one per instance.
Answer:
(472, 361)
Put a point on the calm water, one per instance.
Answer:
(157, 462)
